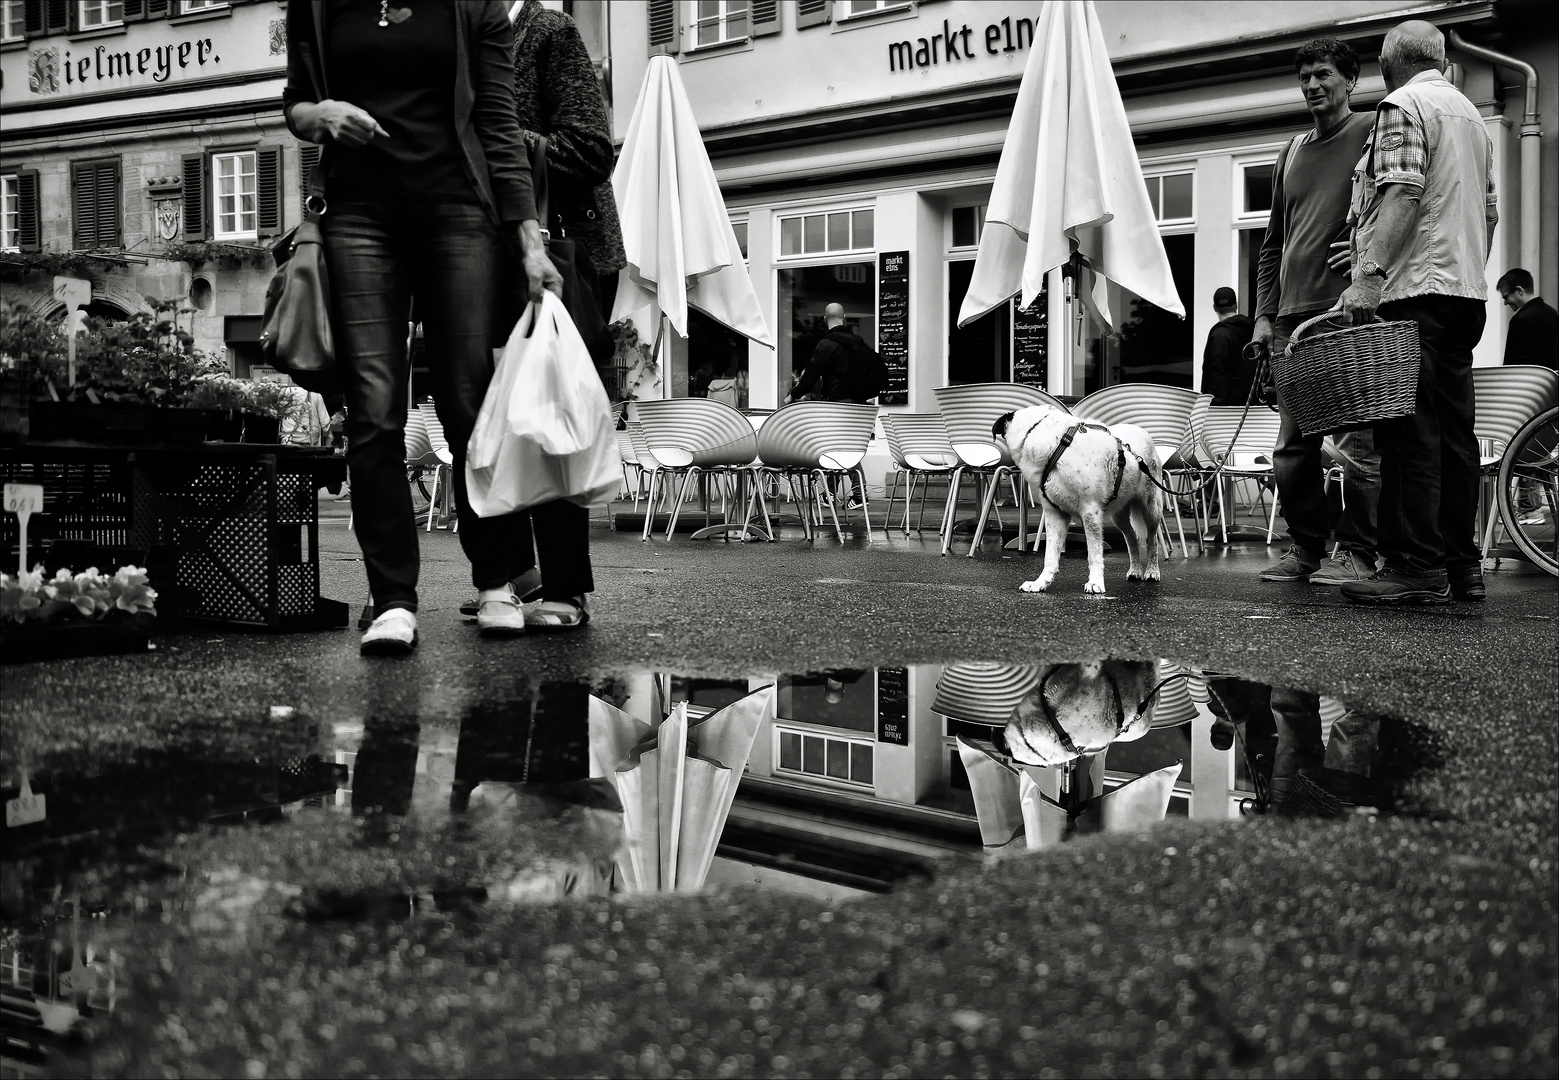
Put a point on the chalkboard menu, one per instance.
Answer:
(893, 324)
(1030, 363)
(893, 706)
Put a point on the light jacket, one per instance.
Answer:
(1447, 246)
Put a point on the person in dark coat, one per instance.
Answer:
(1533, 335)
(828, 374)
(1226, 373)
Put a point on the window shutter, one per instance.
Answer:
(665, 31)
(107, 204)
(194, 170)
(32, 18)
(308, 157)
(83, 204)
(95, 203)
(765, 17)
(156, 9)
(268, 191)
(58, 15)
(28, 225)
(134, 10)
(813, 12)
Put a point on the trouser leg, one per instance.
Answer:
(561, 534)
(1298, 466)
(1358, 526)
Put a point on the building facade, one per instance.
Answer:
(856, 142)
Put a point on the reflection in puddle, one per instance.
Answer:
(832, 784)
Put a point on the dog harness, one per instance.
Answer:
(1060, 733)
(1066, 440)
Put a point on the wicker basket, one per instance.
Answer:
(1350, 378)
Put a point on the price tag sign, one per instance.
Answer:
(73, 293)
(23, 500)
(26, 808)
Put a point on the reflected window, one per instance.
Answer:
(1148, 344)
(841, 698)
(716, 363)
(827, 757)
(804, 292)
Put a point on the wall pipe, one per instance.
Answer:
(1531, 151)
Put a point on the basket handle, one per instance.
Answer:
(1325, 316)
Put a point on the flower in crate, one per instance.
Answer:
(72, 590)
(21, 596)
(130, 592)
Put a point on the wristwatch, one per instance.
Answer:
(1371, 268)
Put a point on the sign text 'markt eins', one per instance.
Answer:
(951, 45)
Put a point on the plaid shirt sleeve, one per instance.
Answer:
(1401, 152)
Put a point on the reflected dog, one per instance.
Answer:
(1085, 470)
(1080, 709)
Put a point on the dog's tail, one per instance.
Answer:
(999, 428)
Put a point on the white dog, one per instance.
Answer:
(1080, 709)
(1086, 470)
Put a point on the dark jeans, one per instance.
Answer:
(382, 253)
(1429, 461)
(1299, 468)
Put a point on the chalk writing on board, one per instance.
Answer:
(1030, 349)
(893, 324)
(893, 706)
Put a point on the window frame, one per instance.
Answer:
(800, 258)
(1241, 218)
(696, 23)
(851, 739)
(1165, 224)
(19, 8)
(980, 209)
(105, 7)
(843, 14)
(744, 237)
(214, 202)
(11, 191)
(198, 7)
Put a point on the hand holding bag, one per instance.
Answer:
(545, 430)
(571, 262)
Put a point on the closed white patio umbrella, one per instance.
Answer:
(680, 247)
(1069, 189)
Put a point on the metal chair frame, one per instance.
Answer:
(806, 442)
(914, 440)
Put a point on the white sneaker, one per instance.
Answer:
(392, 634)
(499, 613)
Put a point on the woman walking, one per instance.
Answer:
(429, 197)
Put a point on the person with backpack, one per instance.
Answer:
(841, 368)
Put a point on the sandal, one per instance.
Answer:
(557, 614)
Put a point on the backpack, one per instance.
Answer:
(868, 373)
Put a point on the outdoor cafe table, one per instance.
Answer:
(231, 530)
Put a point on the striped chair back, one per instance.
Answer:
(984, 693)
(1508, 397)
(435, 428)
(817, 434)
(1195, 453)
(1177, 701)
(641, 449)
(969, 411)
(1257, 436)
(1164, 412)
(418, 445)
(918, 441)
(697, 431)
(625, 448)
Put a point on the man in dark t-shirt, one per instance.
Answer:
(1302, 270)
(1226, 373)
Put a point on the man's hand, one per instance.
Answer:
(348, 125)
(1263, 333)
(1341, 258)
(541, 277)
(1360, 299)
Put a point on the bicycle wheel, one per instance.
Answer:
(1529, 490)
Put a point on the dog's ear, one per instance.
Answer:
(999, 428)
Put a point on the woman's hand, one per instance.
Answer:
(346, 124)
(541, 276)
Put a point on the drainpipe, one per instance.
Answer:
(1531, 149)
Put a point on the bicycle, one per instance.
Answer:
(1528, 490)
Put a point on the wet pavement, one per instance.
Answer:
(975, 835)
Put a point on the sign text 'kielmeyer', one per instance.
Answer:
(104, 63)
(1009, 35)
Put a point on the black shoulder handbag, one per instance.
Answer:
(295, 334)
(578, 295)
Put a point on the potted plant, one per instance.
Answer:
(223, 400)
(269, 404)
(83, 614)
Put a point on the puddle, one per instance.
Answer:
(835, 785)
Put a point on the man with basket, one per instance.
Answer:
(1301, 271)
(1424, 212)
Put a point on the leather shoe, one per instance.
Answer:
(1467, 584)
(1393, 587)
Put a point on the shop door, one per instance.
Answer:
(982, 351)
(1148, 344)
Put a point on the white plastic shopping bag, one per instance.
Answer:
(545, 430)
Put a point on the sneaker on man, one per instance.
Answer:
(1467, 584)
(1388, 586)
(1344, 565)
(499, 612)
(393, 633)
(1295, 564)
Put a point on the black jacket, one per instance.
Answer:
(827, 377)
(495, 159)
(556, 95)
(1533, 336)
(1226, 374)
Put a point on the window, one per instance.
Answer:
(856, 8)
(95, 203)
(13, 20)
(233, 203)
(818, 234)
(740, 229)
(1256, 191)
(19, 211)
(1171, 197)
(189, 7)
(719, 22)
(845, 760)
(92, 14)
(804, 293)
(968, 224)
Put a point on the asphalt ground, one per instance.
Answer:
(1416, 944)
